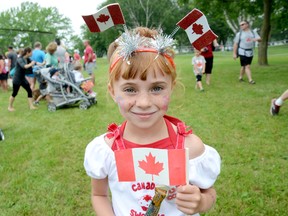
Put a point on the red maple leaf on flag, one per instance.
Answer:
(103, 18)
(197, 28)
(150, 166)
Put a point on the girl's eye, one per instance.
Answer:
(129, 90)
(157, 89)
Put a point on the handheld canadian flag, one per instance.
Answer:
(106, 17)
(162, 166)
(197, 28)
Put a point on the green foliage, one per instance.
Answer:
(32, 23)
(279, 20)
(41, 160)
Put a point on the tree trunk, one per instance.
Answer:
(265, 32)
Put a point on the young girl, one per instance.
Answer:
(199, 63)
(142, 77)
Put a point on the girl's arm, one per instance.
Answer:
(100, 197)
(190, 199)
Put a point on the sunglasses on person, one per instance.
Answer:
(242, 24)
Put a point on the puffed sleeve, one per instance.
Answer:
(203, 170)
(98, 158)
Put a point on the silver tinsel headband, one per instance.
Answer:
(132, 42)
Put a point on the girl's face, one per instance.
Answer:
(143, 102)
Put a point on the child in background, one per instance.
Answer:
(55, 74)
(42, 87)
(141, 80)
(86, 85)
(198, 62)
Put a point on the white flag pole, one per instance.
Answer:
(174, 31)
(125, 28)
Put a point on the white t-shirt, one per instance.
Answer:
(133, 198)
(78, 76)
(199, 61)
(60, 54)
(245, 47)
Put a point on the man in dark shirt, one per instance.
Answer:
(12, 58)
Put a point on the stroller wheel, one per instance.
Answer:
(51, 107)
(84, 105)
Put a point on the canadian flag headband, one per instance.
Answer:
(194, 23)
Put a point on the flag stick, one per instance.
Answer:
(125, 28)
(174, 31)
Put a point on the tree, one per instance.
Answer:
(24, 25)
(279, 19)
(265, 31)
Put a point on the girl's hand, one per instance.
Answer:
(188, 199)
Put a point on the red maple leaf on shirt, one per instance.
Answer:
(103, 18)
(197, 28)
(199, 64)
(150, 166)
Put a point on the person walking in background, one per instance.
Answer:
(38, 55)
(3, 74)
(60, 54)
(198, 62)
(207, 53)
(12, 58)
(76, 56)
(243, 47)
(19, 78)
(29, 75)
(50, 57)
(88, 60)
(276, 103)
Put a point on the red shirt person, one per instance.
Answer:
(88, 60)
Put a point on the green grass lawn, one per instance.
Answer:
(41, 159)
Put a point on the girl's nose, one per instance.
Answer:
(143, 100)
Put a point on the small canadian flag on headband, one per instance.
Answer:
(106, 17)
(162, 166)
(197, 28)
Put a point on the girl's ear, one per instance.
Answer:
(111, 91)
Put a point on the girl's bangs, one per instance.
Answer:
(139, 65)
